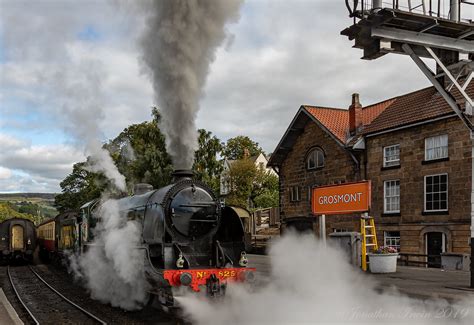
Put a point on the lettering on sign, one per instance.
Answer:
(341, 199)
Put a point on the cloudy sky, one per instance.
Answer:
(56, 54)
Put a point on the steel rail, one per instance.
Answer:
(56, 292)
(66, 299)
(19, 298)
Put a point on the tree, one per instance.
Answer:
(265, 192)
(251, 187)
(207, 167)
(140, 153)
(8, 211)
(240, 177)
(236, 147)
(79, 187)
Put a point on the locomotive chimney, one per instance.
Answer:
(180, 174)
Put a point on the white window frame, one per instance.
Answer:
(295, 195)
(439, 148)
(315, 152)
(394, 162)
(447, 193)
(385, 196)
(385, 237)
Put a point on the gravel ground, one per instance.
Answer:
(64, 283)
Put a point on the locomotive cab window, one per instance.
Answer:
(315, 159)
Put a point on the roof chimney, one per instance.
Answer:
(355, 114)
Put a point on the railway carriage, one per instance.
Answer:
(59, 235)
(17, 239)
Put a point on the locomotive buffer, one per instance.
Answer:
(419, 29)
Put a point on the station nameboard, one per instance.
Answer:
(341, 199)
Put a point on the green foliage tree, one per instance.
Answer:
(207, 167)
(140, 153)
(8, 211)
(240, 178)
(265, 192)
(251, 187)
(79, 187)
(236, 147)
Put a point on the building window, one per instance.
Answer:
(295, 194)
(391, 156)
(392, 239)
(436, 147)
(392, 196)
(315, 159)
(436, 192)
(340, 230)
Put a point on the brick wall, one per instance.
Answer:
(339, 167)
(411, 222)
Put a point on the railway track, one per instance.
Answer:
(43, 303)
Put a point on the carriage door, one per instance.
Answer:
(17, 238)
(66, 236)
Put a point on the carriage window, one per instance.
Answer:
(315, 159)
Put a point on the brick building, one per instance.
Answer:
(413, 148)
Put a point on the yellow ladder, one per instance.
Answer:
(369, 238)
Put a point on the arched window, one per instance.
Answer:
(315, 159)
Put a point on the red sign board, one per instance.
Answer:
(341, 199)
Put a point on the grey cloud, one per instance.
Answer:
(256, 89)
(52, 162)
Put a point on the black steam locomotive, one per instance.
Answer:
(17, 239)
(188, 238)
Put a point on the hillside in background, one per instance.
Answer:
(34, 206)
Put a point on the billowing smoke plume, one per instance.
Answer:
(112, 267)
(82, 107)
(178, 45)
(311, 284)
(59, 72)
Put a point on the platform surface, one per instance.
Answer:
(8, 315)
(417, 282)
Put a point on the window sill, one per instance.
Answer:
(426, 162)
(390, 167)
(434, 213)
(314, 169)
(391, 214)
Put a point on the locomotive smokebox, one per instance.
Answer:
(180, 174)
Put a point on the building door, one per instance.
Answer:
(17, 238)
(435, 246)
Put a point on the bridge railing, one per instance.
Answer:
(434, 8)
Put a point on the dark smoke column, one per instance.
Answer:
(179, 44)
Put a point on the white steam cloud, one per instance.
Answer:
(112, 267)
(178, 46)
(311, 284)
(82, 107)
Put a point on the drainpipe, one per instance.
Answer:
(472, 209)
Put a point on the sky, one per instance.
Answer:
(279, 55)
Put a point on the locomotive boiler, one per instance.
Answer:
(188, 238)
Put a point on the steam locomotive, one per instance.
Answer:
(17, 239)
(188, 238)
